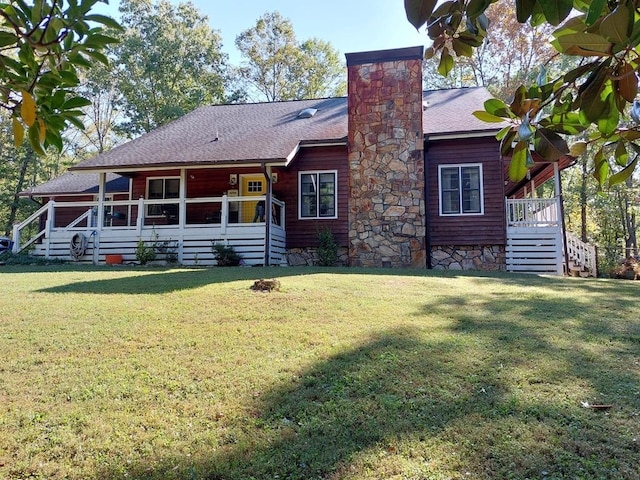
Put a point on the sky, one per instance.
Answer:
(350, 25)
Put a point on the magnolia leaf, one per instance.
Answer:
(590, 43)
(502, 133)
(549, 145)
(518, 99)
(630, 135)
(507, 142)
(577, 149)
(497, 107)
(487, 117)
(609, 118)
(525, 130)
(418, 11)
(18, 132)
(446, 62)
(34, 139)
(518, 166)
(623, 174)
(104, 20)
(28, 109)
(75, 102)
(601, 168)
(555, 11)
(621, 154)
(524, 9)
(42, 130)
(461, 48)
(627, 83)
(542, 76)
(615, 26)
(476, 7)
(595, 10)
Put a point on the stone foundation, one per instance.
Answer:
(300, 257)
(468, 257)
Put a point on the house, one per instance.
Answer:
(402, 177)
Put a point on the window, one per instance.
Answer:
(159, 189)
(317, 197)
(461, 189)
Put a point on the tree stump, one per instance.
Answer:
(263, 285)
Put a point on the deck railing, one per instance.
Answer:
(126, 219)
(582, 254)
(533, 212)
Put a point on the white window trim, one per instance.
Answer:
(335, 196)
(460, 166)
(146, 194)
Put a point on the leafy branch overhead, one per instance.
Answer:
(595, 98)
(43, 46)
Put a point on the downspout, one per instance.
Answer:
(427, 210)
(266, 170)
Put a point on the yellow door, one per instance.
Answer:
(252, 185)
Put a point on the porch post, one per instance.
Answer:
(101, 189)
(556, 179)
(140, 218)
(224, 214)
(267, 216)
(48, 226)
(182, 212)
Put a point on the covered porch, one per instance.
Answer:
(179, 227)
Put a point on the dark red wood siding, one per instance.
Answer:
(304, 233)
(487, 229)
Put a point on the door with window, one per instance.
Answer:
(252, 185)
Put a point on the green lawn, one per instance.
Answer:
(114, 373)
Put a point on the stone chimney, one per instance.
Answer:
(386, 163)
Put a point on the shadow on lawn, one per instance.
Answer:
(417, 404)
(158, 281)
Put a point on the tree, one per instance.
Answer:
(511, 56)
(169, 61)
(43, 47)
(280, 68)
(597, 96)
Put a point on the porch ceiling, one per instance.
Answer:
(541, 171)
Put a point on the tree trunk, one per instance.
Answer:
(583, 199)
(19, 185)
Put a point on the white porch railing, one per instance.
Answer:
(193, 239)
(533, 212)
(582, 254)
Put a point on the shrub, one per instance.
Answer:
(145, 253)
(225, 255)
(327, 248)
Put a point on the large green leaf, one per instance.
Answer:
(595, 10)
(616, 26)
(584, 44)
(621, 154)
(549, 145)
(476, 7)
(623, 174)
(601, 168)
(497, 107)
(419, 11)
(555, 11)
(487, 117)
(446, 62)
(518, 166)
(524, 9)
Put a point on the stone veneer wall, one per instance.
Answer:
(299, 257)
(470, 257)
(386, 163)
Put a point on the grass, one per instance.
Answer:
(117, 373)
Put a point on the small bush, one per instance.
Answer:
(327, 248)
(225, 255)
(629, 269)
(145, 253)
(9, 258)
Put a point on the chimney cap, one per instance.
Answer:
(379, 56)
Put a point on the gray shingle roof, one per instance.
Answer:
(78, 183)
(271, 132)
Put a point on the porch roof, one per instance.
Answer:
(71, 183)
(273, 132)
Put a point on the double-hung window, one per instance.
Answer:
(160, 189)
(461, 189)
(318, 194)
